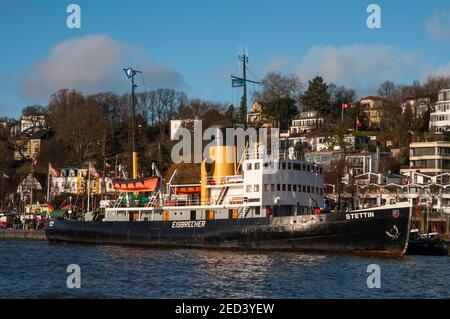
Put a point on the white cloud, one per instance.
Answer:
(91, 64)
(357, 64)
(438, 26)
(362, 67)
(439, 71)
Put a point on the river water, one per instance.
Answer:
(39, 270)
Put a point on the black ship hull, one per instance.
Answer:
(374, 231)
(428, 247)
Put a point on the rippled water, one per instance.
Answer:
(38, 270)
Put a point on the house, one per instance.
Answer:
(431, 158)
(28, 143)
(24, 188)
(440, 118)
(255, 117)
(306, 122)
(323, 157)
(418, 105)
(365, 162)
(32, 121)
(74, 180)
(372, 107)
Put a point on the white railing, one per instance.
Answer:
(224, 180)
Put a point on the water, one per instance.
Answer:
(38, 270)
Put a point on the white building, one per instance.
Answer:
(418, 105)
(306, 122)
(430, 158)
(440, 119)
(32, 121)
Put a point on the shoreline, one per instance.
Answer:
(22, 234)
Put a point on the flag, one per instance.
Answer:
(129, 72)
(358, 123)
(236, 82)
(50, 208)
(92, 170)
(345, 106)
(52, 171)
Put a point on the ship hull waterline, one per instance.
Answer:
(384, 231)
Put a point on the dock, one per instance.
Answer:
(22, 234)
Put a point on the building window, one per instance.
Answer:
(272, 187)
(284, 187)
(289, 188)
(289, 165)
(295, 188)
(249, 166)
(278, 187)
(266, 187)
(249, 188)
(257, 165)
(256, 188)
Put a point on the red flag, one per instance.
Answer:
(358, 123)
(344, 106)
(52, 171)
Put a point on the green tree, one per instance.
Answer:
(280, 110)
(316, 97)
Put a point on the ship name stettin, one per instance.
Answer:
(360, 215)
(189, 224)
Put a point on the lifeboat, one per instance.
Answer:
(136, 185)
(187, 189)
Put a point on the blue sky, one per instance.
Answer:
(193, 45)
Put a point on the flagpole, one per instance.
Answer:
(3, 189)
(31, 188)
(48, 184)
(89, 187)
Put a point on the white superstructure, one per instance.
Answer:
(281, 186)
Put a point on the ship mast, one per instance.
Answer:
(130, 73)
(242, 82)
